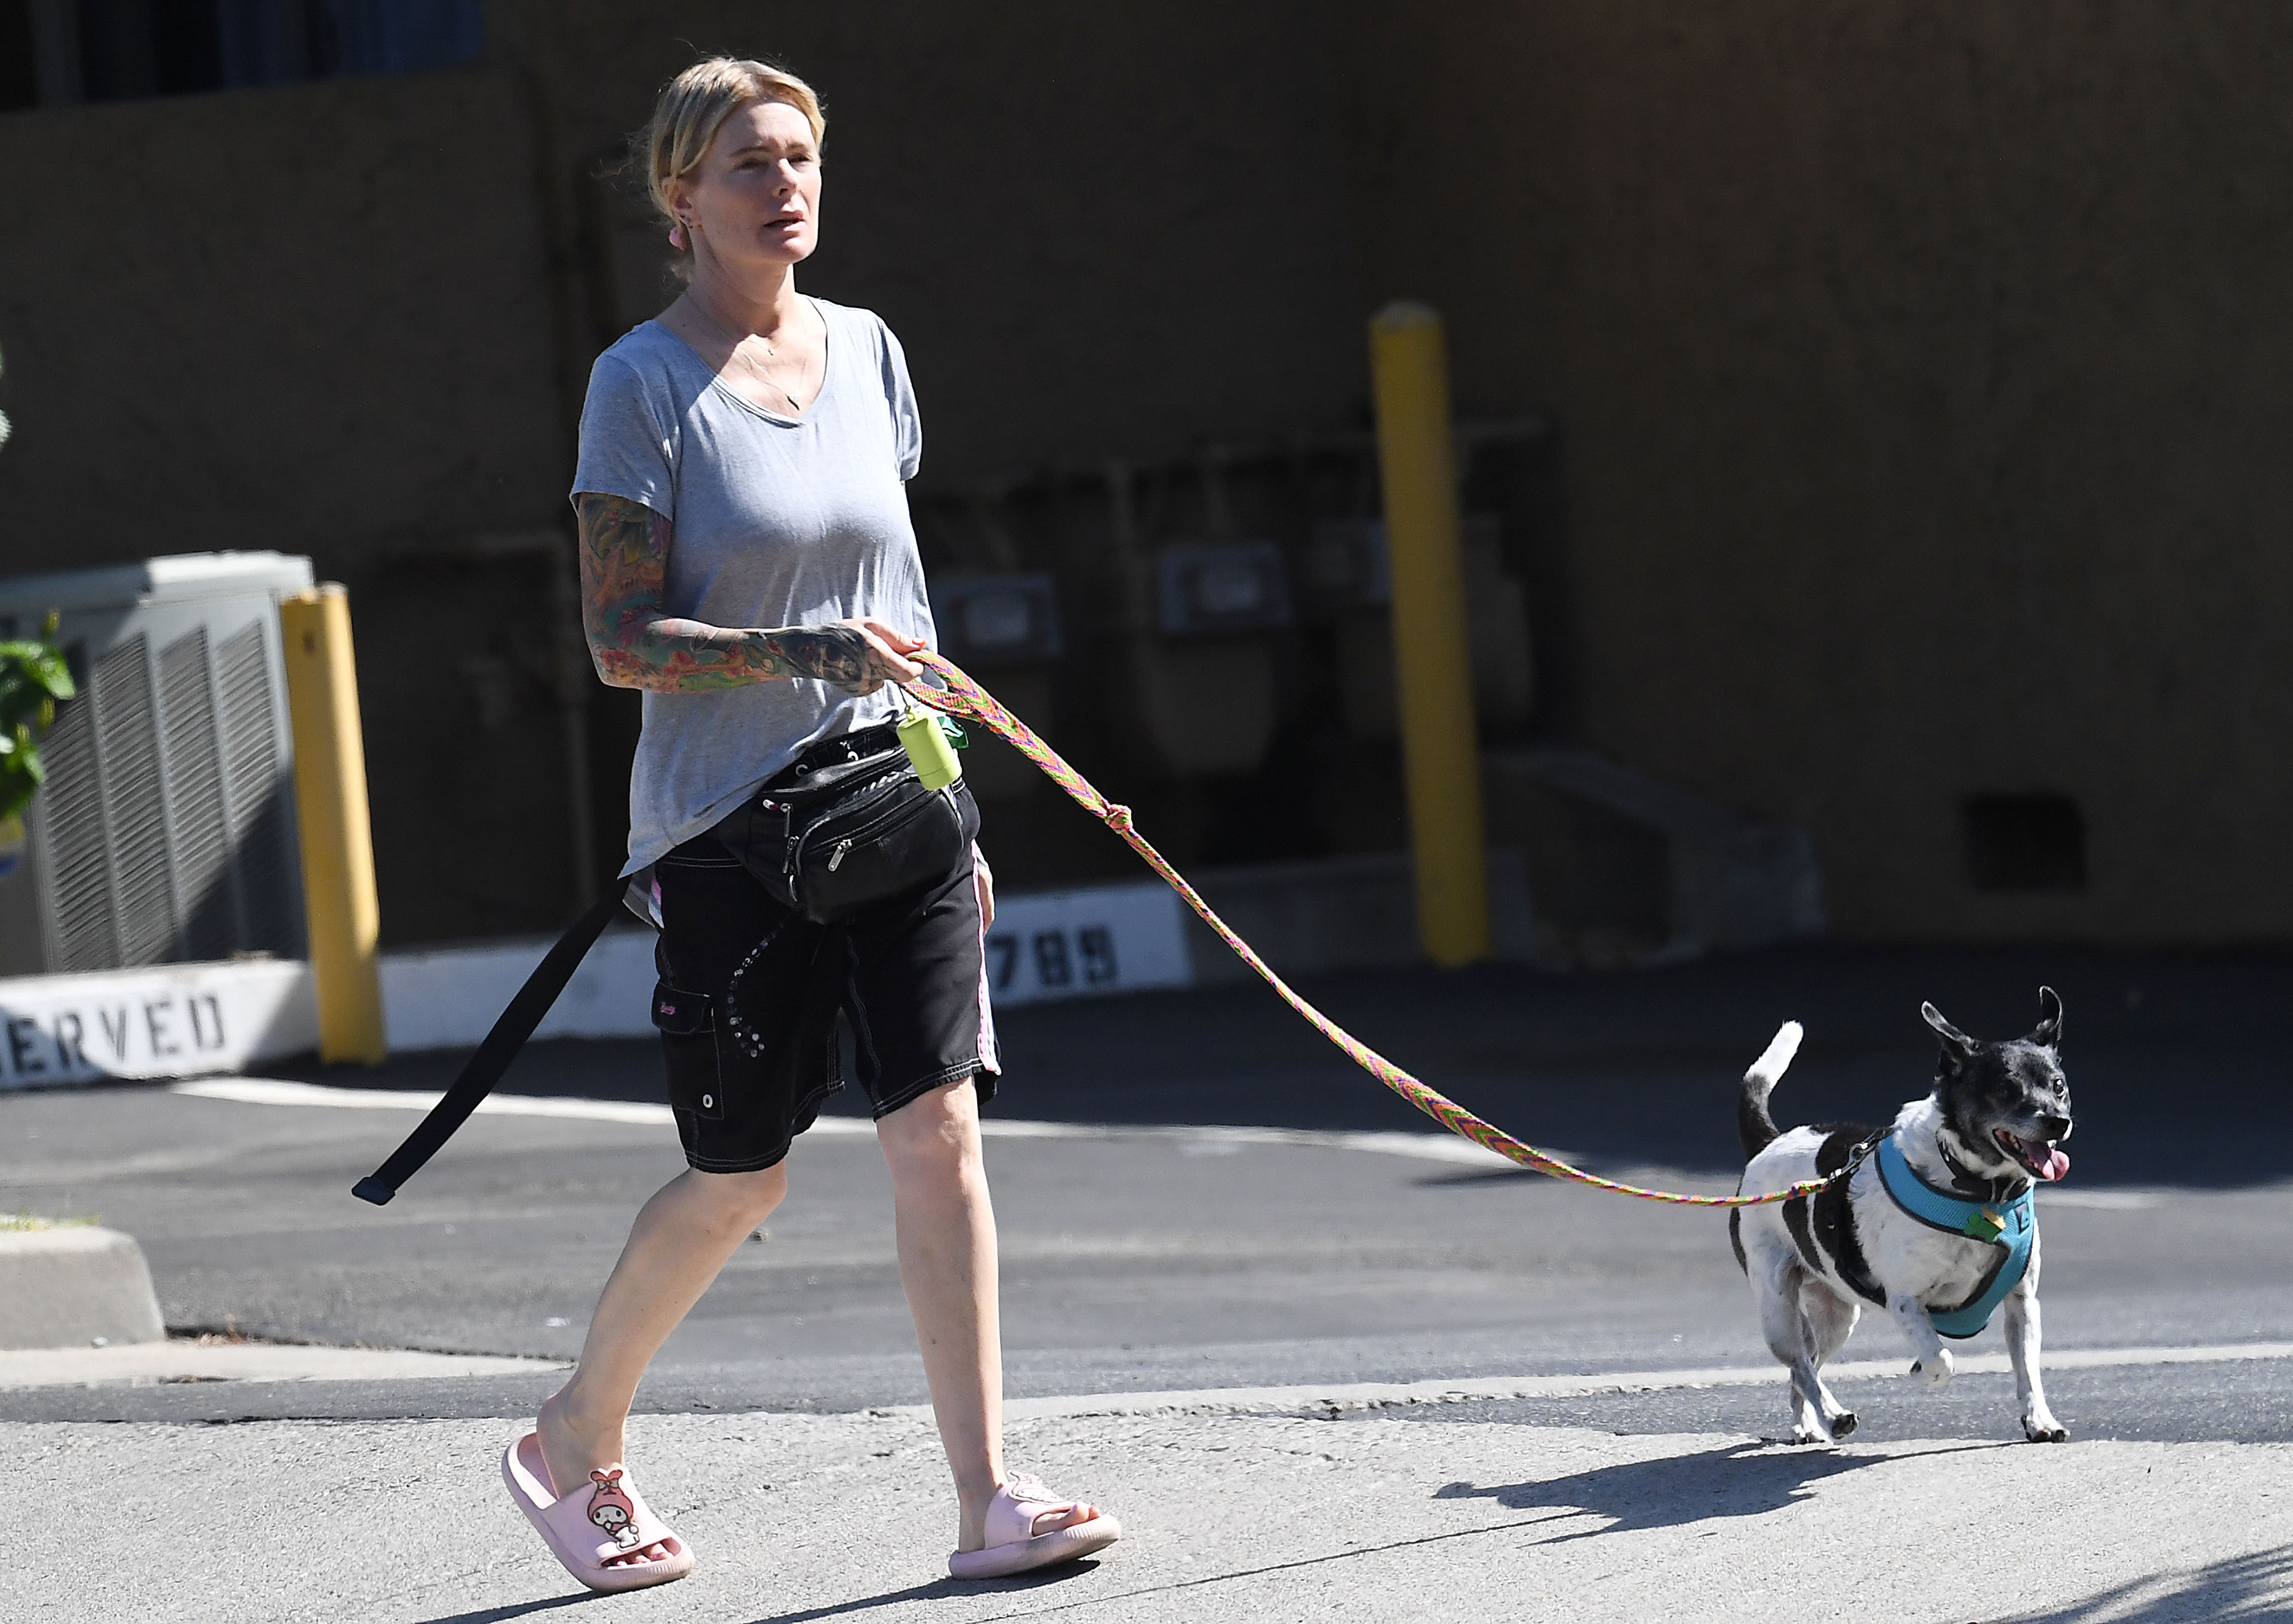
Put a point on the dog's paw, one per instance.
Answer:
(1934, 1373)
(1842, 1425)
(1808, 1435)
(2044, 1429)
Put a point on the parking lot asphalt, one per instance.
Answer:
(1147, 1253)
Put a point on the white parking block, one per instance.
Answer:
(1102, 939)
(169, 1020)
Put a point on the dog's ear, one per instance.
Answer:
(1957, 1047)
(2048, 1033)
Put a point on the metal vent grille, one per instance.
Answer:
(71, 804)
(201, 835)
(262, 801)
(165, 830)
(135, 807)
(168, 811)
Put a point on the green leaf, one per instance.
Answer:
(41, 664)
(17, 785)
(34, 675)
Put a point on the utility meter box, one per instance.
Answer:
(165, 830)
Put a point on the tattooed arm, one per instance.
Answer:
(624, 572)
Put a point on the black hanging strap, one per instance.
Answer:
(484, 1069)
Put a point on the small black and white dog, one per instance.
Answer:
(1935, 1224)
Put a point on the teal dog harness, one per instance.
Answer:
(2012, 1226)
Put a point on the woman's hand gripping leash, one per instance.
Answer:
(960, 696)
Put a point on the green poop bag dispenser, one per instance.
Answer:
(932, 740)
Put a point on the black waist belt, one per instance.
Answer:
(834, 751)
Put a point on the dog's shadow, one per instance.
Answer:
(1742, 1480)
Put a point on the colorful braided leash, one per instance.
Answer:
(962, 697)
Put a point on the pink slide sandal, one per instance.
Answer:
(1013, 1545)
(586, 1531)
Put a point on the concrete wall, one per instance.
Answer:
(303, 318)
(1107, 229)
(1927, 372)
(318, 318)
(354, 318)
(1921, 369)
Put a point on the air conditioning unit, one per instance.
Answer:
(165, 830)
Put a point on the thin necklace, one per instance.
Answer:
(736, 341)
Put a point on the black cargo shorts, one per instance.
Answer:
(752, 995)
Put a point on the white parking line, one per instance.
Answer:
(1441, 1147)
(273, 1091)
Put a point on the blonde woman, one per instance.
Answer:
(747, 561)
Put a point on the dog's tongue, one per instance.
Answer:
(2057, 1165)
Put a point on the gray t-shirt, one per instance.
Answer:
(779, 521)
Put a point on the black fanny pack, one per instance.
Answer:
(849, 824)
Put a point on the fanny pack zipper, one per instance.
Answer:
(793, 865)
(792, 848)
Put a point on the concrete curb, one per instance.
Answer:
(74, 1285)
(1335, 1398)
(142, 1364)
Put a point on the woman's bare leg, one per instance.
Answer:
(680, 1241)
(947, 1263)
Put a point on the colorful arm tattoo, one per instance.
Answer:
(624, 572)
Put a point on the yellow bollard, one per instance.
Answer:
(346, 918)
(1417, 461)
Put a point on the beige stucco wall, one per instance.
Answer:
(1921, 368)
(318, 318)
(1927, 372)
(1099, 230)
(300, 318)
(353, 320)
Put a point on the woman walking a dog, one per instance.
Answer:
(747, 561)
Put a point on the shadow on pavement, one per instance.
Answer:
(1626, 1068)
(944, 1589)
(1220, 1578)
(2259, 1585)
(1744, 1480)
(519, 1609)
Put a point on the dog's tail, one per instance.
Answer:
(1753, 1126)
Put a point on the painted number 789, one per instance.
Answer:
(1082, 957)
